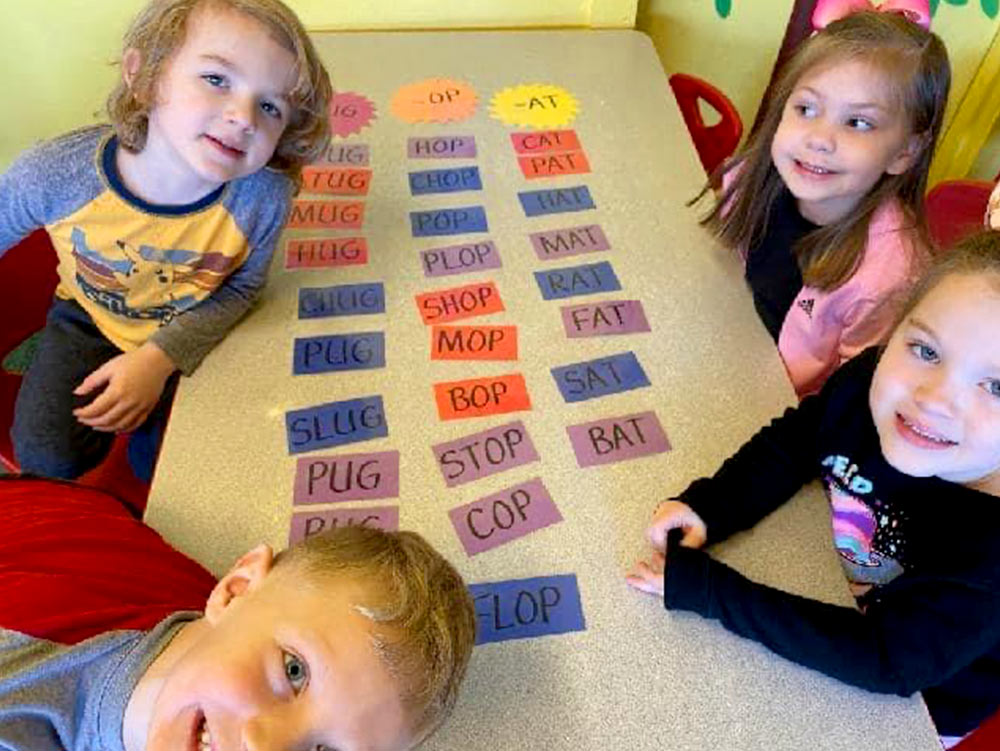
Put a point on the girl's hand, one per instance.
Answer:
(133, 383)
(676, 515)
(647, 576)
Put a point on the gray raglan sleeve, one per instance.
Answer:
(48, 181)
(260, 205)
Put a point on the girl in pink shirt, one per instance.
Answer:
(825, 200)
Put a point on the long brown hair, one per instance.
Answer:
(916, 61)
(160, 29)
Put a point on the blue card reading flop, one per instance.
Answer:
(325, 354)
(526, 608)
(453, 180)
(556, 201)
(606, 375)
(341, 300)
(577, 280)
(448, 221)
(335, 423)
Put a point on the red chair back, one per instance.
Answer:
(955, 210)
(714, 143)
(28, 280)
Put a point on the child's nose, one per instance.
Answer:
(937, 394)
(243, 112)
(820, 136)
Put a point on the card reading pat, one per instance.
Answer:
(526, 608)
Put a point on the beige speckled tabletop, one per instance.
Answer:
(637, 677)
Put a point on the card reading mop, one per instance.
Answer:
(526, 608)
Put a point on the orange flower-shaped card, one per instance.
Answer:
(434, 100)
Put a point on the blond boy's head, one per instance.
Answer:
(423, 622)
(160, 29)
(353, 640)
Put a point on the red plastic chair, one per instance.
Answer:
(27, 282)
(713, 143)
(984, 738)
(955, 210)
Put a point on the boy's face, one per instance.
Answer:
(935, 397)
(221, 100)
(840, 131)
(278, 663)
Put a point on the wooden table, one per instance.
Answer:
(636, 677)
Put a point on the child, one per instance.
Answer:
(353, 639)
(824, 201)
(907, 444)
(164, 223)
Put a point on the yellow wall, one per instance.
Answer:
(737, 53)
(56, 55)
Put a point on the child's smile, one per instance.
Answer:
(221, 109)
(935, 397)
(839, 133)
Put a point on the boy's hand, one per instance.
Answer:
(133, 383)
(647, 576)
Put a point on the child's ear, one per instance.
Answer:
(131, 61)
(909, 154)
(244, 577)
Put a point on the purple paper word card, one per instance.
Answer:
(346, 477)
(615, 439)
(501, 517)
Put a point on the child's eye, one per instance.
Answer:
(214, 79)
(296, 671)
(992, 386)
(805, 110)
(922, 351)
(860, 123)
(270, 109)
